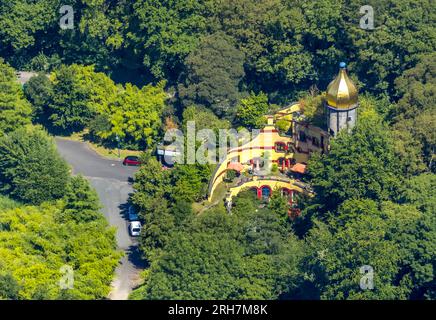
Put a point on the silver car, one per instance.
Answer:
(135, 228)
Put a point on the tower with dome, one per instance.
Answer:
(341, 102)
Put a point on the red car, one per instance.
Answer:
(131, 161)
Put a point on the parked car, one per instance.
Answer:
(131, 161)
(133, 214)
(135, 228)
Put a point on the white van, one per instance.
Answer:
(135, 228)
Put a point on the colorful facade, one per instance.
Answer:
(280, 153)
(271, 147)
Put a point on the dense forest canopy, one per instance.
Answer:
(287, 45)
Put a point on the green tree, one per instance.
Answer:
(359, 165)
(275, 254)
(204, 119)
(407, 149)
(99, 127)
(189, 181)
(288, 45)
(39, 92)
(382, 237)
(271, 36)
(31, 170)
(97, 36)
(213, 278)
(416, 88)
(414, 115)
(69, 110)
(419, 191)
(379, 55)
(213, 73)
(35, 247)
(29, 29)
(152, 197)
(22, 21)
(164, 207)
(15, 111)
(182, 212)
(9, 288)
(313, 109)
(135, 115)
(81, 201)
(251, 111)
(78, 94)
(7, 203)
(151, 182)
(84, 98)
(164, 33)
(280, 206)
(159, 227)
(247, 255)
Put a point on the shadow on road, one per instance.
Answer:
(124, 209)
(135, 257)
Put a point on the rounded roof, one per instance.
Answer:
(341, 92)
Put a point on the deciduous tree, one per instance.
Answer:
(31, 170)
(15, 110)
(251, 111)
(213, 73)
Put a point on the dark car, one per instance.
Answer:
(133, 214)
(131, 161)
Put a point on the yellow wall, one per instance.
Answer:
(255, 148)
(264, 143)
(257, 183)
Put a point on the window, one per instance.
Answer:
(302, 136)
(280, 147)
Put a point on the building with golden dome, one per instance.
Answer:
(341, 102)
(289, 149)
(275, 158)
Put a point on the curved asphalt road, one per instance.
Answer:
(110, 180)
(88, 163)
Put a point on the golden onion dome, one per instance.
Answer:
(341, 92)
